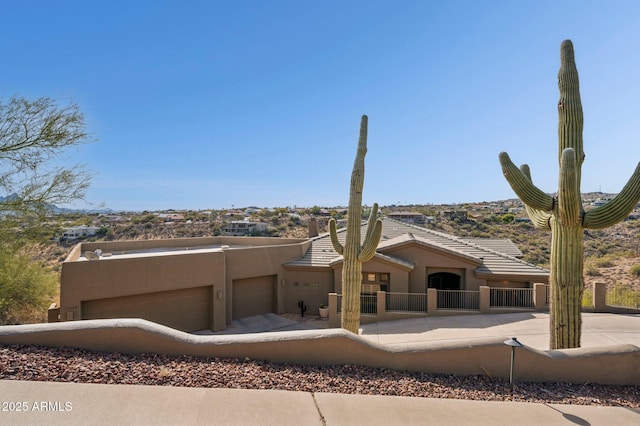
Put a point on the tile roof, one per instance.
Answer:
(505, 246)
(491, 262)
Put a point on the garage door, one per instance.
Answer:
(253, 296)
(186, 310)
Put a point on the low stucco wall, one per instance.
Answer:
(488, 356)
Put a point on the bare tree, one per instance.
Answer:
(34, 134)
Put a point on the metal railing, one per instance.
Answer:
(368, 304)
(511, 298)
(623, 297)
(547, 294)
(406, 302)
(459, 299)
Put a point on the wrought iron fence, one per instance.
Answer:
(459, 299)
(406, 302)
(511, 298)
(623, 297)
(368, 304)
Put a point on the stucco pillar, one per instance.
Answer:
(432, 301)
(219, 314)
(53, 314)
(540, 296)
(485, 299)
(381, 308)
(599, 297)
(334, 318)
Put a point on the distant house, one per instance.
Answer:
(75, 232)
(243, 227)
(408, 217)
(111, 217)
(454, 214)
(171, 217)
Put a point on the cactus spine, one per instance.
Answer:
(563, 214)
(352, 251)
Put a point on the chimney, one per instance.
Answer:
(313, 227)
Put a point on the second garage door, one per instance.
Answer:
(253, 296)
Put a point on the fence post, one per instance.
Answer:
(540, 296)
(599, 297)
(334, 319)
(432, 301)
(485, 299)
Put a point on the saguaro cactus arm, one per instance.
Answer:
(521, 184)
(618, 208)
(372, 238)
(539, 218)
(334, 236)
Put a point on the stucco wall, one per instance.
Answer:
(428, 261)
(311, 286)
(398, 279)
(117, 276)
(260, 261)
(607, 365)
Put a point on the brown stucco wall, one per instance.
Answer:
(312, 286)
(489, 356)
(429, 261)
(118, 276)
(399, 277)
(260, 261)
(114, 277)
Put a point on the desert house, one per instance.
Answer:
(205, 283)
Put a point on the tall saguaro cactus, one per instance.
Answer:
(563, 214)
(352, 251)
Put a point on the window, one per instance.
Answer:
(373, 282)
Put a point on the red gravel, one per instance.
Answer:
(80, 366)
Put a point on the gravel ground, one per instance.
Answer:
(79, 366)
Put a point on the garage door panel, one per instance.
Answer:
(253, 296)
(187, 310)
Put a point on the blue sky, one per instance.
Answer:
(213, 104)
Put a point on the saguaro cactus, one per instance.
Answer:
(353, 253)
(563, 214)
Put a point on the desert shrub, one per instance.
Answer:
(508, 218)
(27, 287)
(606, 261)
(587, 298)
(635, 270)
(591, 270)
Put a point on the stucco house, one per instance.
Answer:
(206, 283)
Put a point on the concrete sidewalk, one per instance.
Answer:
(96, 404)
